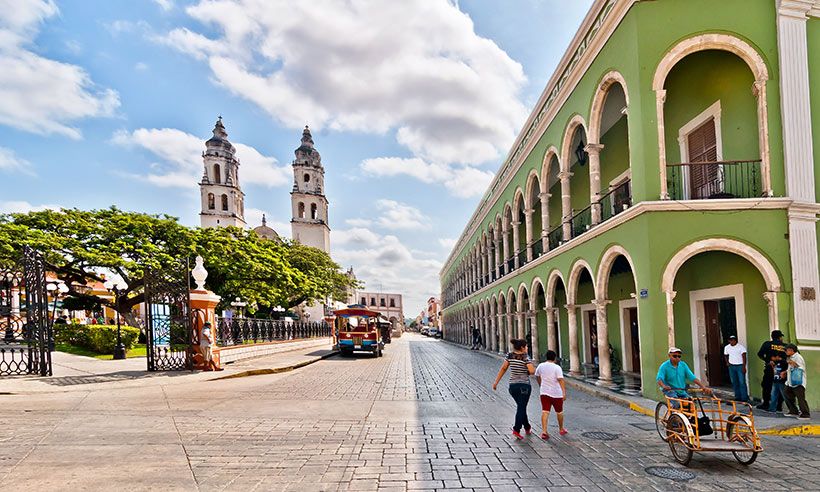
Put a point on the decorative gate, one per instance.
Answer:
(24, 324)
(169, 332)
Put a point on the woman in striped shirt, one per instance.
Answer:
(520, 366)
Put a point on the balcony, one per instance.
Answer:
(522, 257)
(714, 179)
(616, 201)
(581, 221)
(510, 265)
(537, 248)
(555, 237)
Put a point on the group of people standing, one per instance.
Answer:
(550, 379)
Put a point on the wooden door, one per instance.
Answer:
(592, 323)
(703, 178)
(635, 343)
(714, 344)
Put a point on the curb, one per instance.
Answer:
(624, 402)
(273, 370)
(794, 430)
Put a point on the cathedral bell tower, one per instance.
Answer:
(309, 224)
(223, 203)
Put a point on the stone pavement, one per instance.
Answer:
(423, 417)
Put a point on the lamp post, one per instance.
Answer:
(238, 303)
(117, 287)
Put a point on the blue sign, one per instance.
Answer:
(644, 293)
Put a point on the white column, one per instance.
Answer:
(670, 318)
(660, 99)
(594, 152)
(533, 320)
(497, 252)
(604, 363)
(506, 241)
(502, 331)
(574, 352)
(552, 339)
(516, 244)
(545, 220)
(510, 333)
(521, 319)
(529, 233)
(566, 204)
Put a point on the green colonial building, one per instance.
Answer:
(664, 191)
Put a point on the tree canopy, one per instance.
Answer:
(81, 246)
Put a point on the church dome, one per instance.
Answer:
(266, 232)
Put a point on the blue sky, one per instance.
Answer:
(413, 105)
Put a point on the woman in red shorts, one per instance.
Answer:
(553, 392)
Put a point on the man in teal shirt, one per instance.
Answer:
(674, 374)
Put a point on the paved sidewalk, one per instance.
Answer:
(79, 373)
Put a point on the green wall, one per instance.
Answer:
(615, 156)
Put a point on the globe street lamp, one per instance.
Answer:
(117, 287)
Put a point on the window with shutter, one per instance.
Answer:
(704, 179)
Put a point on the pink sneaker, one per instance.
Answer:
(564, 432)
(517, 435)
(528, 431)
(545, 436)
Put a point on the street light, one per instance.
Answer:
(117, 287)
(56, 288)
(238, 303)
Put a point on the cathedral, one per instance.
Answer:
(223, 202)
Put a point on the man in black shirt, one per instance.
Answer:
(767, 350)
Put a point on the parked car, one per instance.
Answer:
(425, 330)
(434, 332)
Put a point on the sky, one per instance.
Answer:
(413, 106)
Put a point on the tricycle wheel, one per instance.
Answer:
(678, 435)
(739, 429)
(661, 414)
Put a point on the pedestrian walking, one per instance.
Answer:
(768, 348)
(553, 392)
(205, 342)
(796, 384)
(476, 333)
(520, 365)
(778, 383)
(735, 356)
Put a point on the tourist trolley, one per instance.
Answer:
(358, 330)
(707, 424)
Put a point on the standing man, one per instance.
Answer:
(205, 342)
(765, 353)
(796, 385)
(476, 339)
(735, 356)
(553, 392)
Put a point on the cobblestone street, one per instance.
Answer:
(424, 416)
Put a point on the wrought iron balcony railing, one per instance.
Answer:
(522, 257)
(581, 221)
(537, 248)
(714, 179)
(510, 265)
(616, 200)
(556, 236)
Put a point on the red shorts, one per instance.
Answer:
(556, 403)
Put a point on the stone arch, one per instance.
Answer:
(536, 283)
(552, 284)
(755, 257)
(523, 292)
(574, 277)
(518, 198)
(598, 100)
(573, 124)
(605, 266)
(710, 41)
(529, 195)
(545, 166)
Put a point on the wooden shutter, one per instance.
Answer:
(702, 144)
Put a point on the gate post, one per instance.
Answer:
(203, 308)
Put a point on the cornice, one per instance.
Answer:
(798, 8)
(598, 25)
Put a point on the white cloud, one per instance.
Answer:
(358, 222)
(387, 262)
(9, 161)
(461, 181)
(140, 66)
(180, 159)
(395, 215)
(37, 94)
(165, 5)
(447, 243)
(415, 67)
(18, 206)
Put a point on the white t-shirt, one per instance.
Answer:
(550, 373)
(205, 342)
(735, 353)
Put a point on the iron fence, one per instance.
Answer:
(510, 265)
(242, 331)
(581, 221)
(537, 248)
(522, 257)
(714, 179)
(555, 237)
(616, 200)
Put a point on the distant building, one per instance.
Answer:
(433, 311)
(390, 305)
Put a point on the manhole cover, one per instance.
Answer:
(676, 474)
(600, 436)
(644, 426)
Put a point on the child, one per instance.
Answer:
(553, 392)
(795, 389)
(780, 366)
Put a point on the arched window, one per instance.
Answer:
(301, 211)
(307, 177)
(217, 174)
(211, 201)
(313, 211)
(224, 202)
